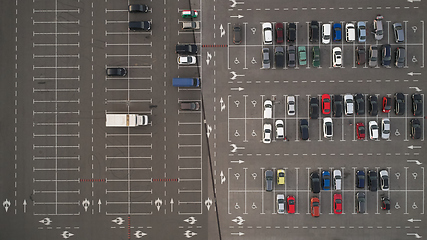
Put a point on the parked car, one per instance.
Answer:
(372, 180)
(186, 49)
(337, 57)
(280, 203)
(328, 128)
(267, 133)
(386, 104)
(291, 204)
(386, 55)
(337, 32)
(186, 60)
(337, 179)
(373, 130)
(361, 27)
(399, 35)
(360, 179)
(237, 34)
(279, 129)
(190, 106)
(269, 174)
(400, 57)
(314, 31)
(417, 104)
(373, 56)
(315, 204)
(133, 8)
(279, 33)
(139, 26)
(292, 32)
(302, 56)
(280, 177)
(314, 108)
(360, 55)
(378, 27)
(268, 109)
(316, 56)
(350, 32)
(399, 103)
(337, 203)
(304, 129)
(360, 130)
(373, 105)
(190, 26)
(415, 129)
(348, 99)
(326, 180)
(337, 105)
(360, 104)
(265, 58)
(290, 102)
(279, 55)
(385, 203)
(189, 14)
(117, 72)
(315, 182)
(326, 33)
(292, 56)
(385, 128)
(267, 33)
(384, 180)
(326, 104)
(360, 202)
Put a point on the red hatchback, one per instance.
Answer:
(326, 104)
(360, 130)
(291, 204)
(337, 203)
(386, 104)
(279, 32)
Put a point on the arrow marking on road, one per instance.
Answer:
(222, 104)
(238, 234)
(414, 220)
(415, 161)
(190, 220)
(158, 203)
(416, 89)
(221, 28)
(235, 75)
(208, 58)
(208, 203)
(413, 73)
(237, 89)
(222, 177)
(238, 16)
(171, 202)
(239, 161)
(139, 234)
(413, 147)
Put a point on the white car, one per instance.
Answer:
(280, 133)
(385, 128)
(349, 104)
(337, 179)
(268, 109)
(290, 100)
(337, 57)
(328, 127)
(384, 180)
(267, 32)
(186, 60)
(350, 32)
(326, 33)
(280, 203)
(373, 130)
(267, 133)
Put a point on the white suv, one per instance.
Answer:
(349, 104)
(373, 130)
(290, 100)
(268, 109)
(337, 179)
(328, 127)
(267, 31)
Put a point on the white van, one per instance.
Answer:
(326, 33)
(350, 32)
(267, 31)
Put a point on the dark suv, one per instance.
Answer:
(315, 182)
(337, 105)
(360, 202)
(415, 129)
(269, 175)
(292, 32)
(386, 55)
(314, 108)
(399, 103)
(360, 179)
(314, 31)
(360, 104)
(360, 55)
(417, 104)
(373, 105)
(372, 180)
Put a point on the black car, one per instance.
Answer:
(360, 179)
(314, 31)
(186, 49)
(360, 104)
(314, 108)
(237, 34)
(279, 56)
(116, 72)
(292, 32)
(315, 182)
(139, 26)
(138, 8)
(400, 57)
(399, 103)
(415, 129)
(373, 105)
(337, 105)
(292, 56)
(386, 55)
(385, 203)
(417, 104)
(360, 55)
(304, 129)
(372, 180)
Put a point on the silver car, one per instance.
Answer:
(290, 100)
(399, 35)
(361, 29)
(280, 203)
(265, 58)
(349, 104)
(373, 56)
(385, 128)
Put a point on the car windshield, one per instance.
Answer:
(291, 202)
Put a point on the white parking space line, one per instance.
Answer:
(128, 44)
(189, 123)
(62, 33)
(57, 56)
(56, 22)
(56, 10)
(125, 55)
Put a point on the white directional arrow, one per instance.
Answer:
(221, 28)
(235, 147)
(6, 204)
(235, 75)
(139, 234)
(413, 73)
(414, 234)
(239, 161)
(209, 130)
(415, 161)
(208, 58)
(237, 89)
(171, 202)
(189, 234)
(416, 89)
(66, 234)
(239, 220)
(25, 205)
(414, 220)
(222, 104)
(238, 234)
(235, 3)
(413, 147)
(222, 177)
(238, 16)
(208, 203)
(414, 1)
(99, 205)
(45, 221)
(85, 204)
(158, 203)
(190, 220)
(118, 220)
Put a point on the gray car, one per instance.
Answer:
(292, 56)
(360, 202)
(373, 56)
(378, 27)
(400, 57)
(269, 175)
(265, 58)
(385, 128)
(361, 29)
(399, 35)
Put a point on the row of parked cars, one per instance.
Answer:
(139, 25)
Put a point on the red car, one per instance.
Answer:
(386, 104)
(326, 104)
(279, 32)
(291, 204)
(360, 130)
(337, 203)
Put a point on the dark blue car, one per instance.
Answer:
(337, 32)
(326, 180)
(360, 179)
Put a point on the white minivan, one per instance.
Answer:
(326, 33)
(267, 31)
(350, 32)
